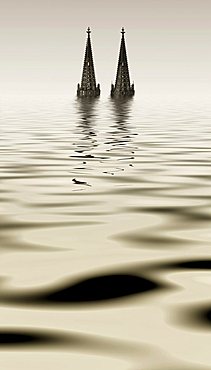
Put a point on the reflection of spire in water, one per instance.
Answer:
(122, 110)
(121, 115)
(86, 111)
(119, 141)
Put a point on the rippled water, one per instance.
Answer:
(105, 235)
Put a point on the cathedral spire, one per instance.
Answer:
(122, 87)
(88, 87)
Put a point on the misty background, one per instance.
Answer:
(43, 42)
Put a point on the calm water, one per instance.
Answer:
(105, 235)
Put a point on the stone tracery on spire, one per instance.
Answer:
(88, 87)
(122, 85)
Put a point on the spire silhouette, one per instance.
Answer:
(122, 87)
(88, 87)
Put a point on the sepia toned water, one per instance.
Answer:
(105, 235)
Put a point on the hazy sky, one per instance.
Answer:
(168, 43)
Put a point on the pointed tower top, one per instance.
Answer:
(122, 85)
(88, 85)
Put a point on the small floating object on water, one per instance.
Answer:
(77, 182)
(89, 156)
(125, 158)
(85, 156)
(109, 173)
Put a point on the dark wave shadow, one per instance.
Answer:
(193, 316)
(189, 265)
(180, 264)
(10, 228)
(90, 290)
(171, 219)
(127, 280)
(18, 337)
(151, 240)
(102, 288)
(187, 214)
(31, 339)
(202, 316)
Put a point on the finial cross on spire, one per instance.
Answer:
(88, 31)
(123, 31)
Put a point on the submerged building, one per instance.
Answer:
(88, 87)
(122, 87)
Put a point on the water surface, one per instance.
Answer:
(105, 235)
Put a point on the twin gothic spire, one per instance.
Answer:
(88, 87)
(122, 87)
